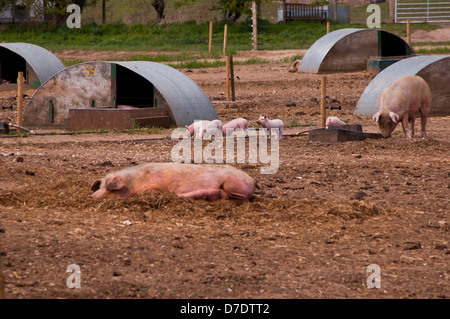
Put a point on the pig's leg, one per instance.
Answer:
(412, 121)
(210, 194)
(423, 125)
(423, 122)
(405, 126)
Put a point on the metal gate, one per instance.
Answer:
(422, 11)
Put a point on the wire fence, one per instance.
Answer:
(429, 11)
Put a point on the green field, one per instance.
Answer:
(187, 39)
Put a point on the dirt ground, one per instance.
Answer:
(311, 230)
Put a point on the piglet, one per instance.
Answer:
(270, 124)
(202, 181)
(333, 120)
(233, 125)
(126, 107)
(212, 128)
(400, 101)
(295, 67)
(197, 128)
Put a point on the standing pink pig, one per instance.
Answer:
(400, 101)
(230, 127)
(203, 181)
(270, 124)
(197, 128)
(212, 128)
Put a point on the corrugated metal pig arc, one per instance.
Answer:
(435, 70)
(347, 50)
(44, 63)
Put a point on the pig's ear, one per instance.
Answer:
(394, 117)
(376, 117)
(115, 183)
(96, 185)
(265, 116)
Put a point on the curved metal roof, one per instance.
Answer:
(345, 50)
(368, 102)
(186, 99)
(317, 52)
(43, 62)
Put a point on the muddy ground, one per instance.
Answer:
(311, 230)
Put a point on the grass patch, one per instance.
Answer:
(148, 130)
(70, 62)
(444, 50)
(418, 44)
(197, 64)
(190, 37)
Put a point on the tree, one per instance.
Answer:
(158, 5)
(55, 10)
(50, 10)
(234, 9)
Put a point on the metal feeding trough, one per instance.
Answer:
(104, 118)
(117, 95)
(376, 64)
(4, 128)
(340, 133)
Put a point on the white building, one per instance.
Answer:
(22, 11)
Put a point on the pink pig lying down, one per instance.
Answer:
(333, 120)
(400, 101)
(202, 181)
(230, 127)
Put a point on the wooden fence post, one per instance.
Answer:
(408, 31)
(2, 278)
(227, 63)
(225, 35)
(323, 100)
(210, 35)
(233, 97)
(230, 79)
(19, 99)
(255, 26)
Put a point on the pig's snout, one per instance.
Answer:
(113, 187)
(98, 194)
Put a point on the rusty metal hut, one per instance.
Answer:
(434, 69)
(36, 63)
(117, 95)
(348, 50)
